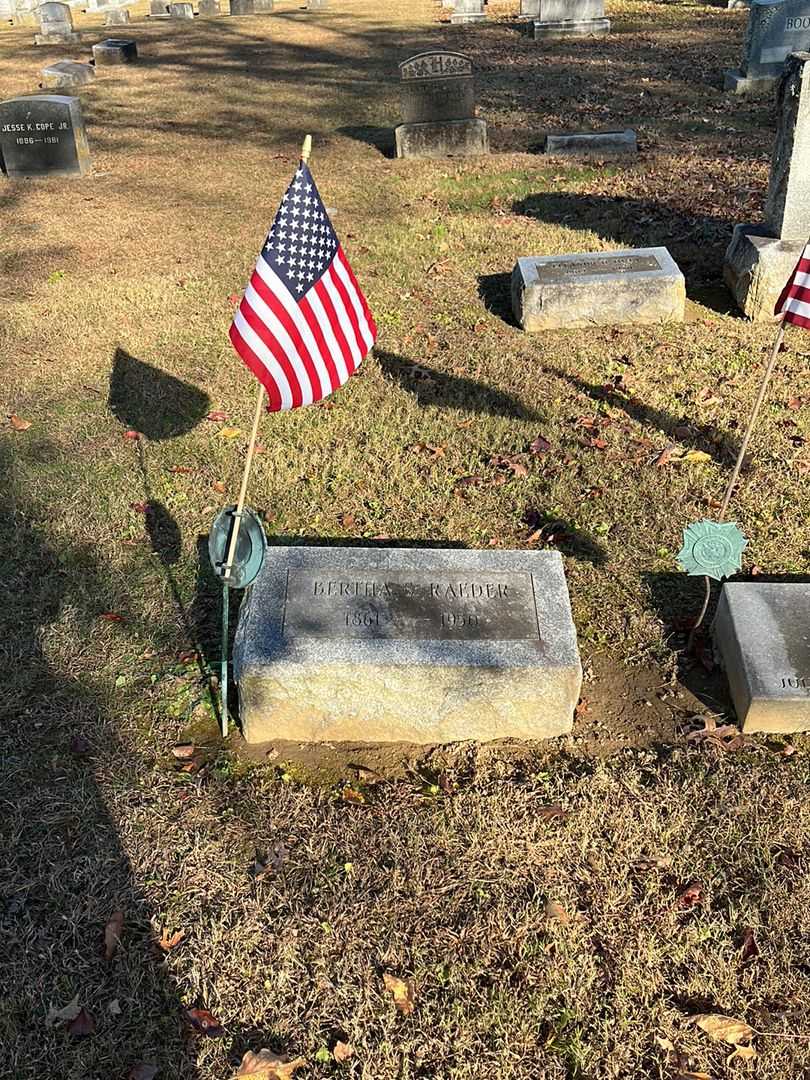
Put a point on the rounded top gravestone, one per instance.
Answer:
(437, 85)
(54, 17)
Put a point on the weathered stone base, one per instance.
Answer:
(736, 83)
(444, 138)
(115, 51)
(71, 38)
(67, 73)
(459, 18)
(762, 637)
(756, 268)
(602, 145)
(302, 675)
(642, 286)
(584, 27)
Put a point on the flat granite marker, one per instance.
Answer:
(760, 258)
(775, 29)
(43, 135)
(115, 51)
(67, 73)
(416, 645)
(560, 18)
(762, 635)
(438, 108)
(593, 144)
(55, 25)
(604, 288)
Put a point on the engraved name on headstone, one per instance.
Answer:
(775, 29)
(43, 135)
(437, 86)
(619, 264)
(412, 605)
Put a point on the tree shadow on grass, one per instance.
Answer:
(381, 138)
(707, 437)
(496, 292)
(431, 387)
(64, 871)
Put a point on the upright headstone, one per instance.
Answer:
(115, 51)
(158, 7)
(181, 11)
(762, 635)
(603, 288)
(209, 9)
(417, 645)
(468, 11)
(438, 108)
(559, 18)
(243, 7)
(55, 25)
(43, 135)
(117, 17)
(67, 73)
(775, 29)
(759, 259)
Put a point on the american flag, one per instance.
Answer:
(794, 303)
(303, 325)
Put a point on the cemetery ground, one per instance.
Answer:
(564, 910)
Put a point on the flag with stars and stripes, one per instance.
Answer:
(303, 325)
(794, 303)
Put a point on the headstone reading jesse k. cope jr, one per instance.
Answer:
(417, 645)
(43, 135)
(438, 108)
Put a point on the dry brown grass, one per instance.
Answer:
(122, 280)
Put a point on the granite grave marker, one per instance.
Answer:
(43, 135)
(55, 25)
(67, 73)
(468, 11)
(760, 259)
(115, 51)
(438, 108)
(560, 18)
(417, 645)
(775, 29)
(593, 144)
(604, 288)
(181, 11)
(762, 636)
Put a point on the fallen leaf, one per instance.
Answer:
(366, 775)
(230, 432)
(557, 913)
(205, 1022)
(539, 446)
(724, 1028)
(114, 1007)
(347, 521)
(342, 1051)
(111, 616)
(667, 454)
(112, 934)
(269, 1066)
(143, 1071)
(352, 795)
(725, 737)
(552, 812)
(18, 423)
(139, 507)
(691, 895)
(467, 481)
(681, 1075)
(216, 416)
(133, 436)
(180, 469)
(183, 751)
(404, 992)
(582, 707)
(745, 1053)
(82, 1025)
(218, 487)
(749, 950)
(599, 444)
(68, 1013)
(792, 403)
(653, 862)
(168, 941)
(79, 745)
(233, 298)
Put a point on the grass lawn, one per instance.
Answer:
(564, 910)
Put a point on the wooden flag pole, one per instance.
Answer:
(763, 389)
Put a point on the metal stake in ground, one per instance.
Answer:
(763, 389)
